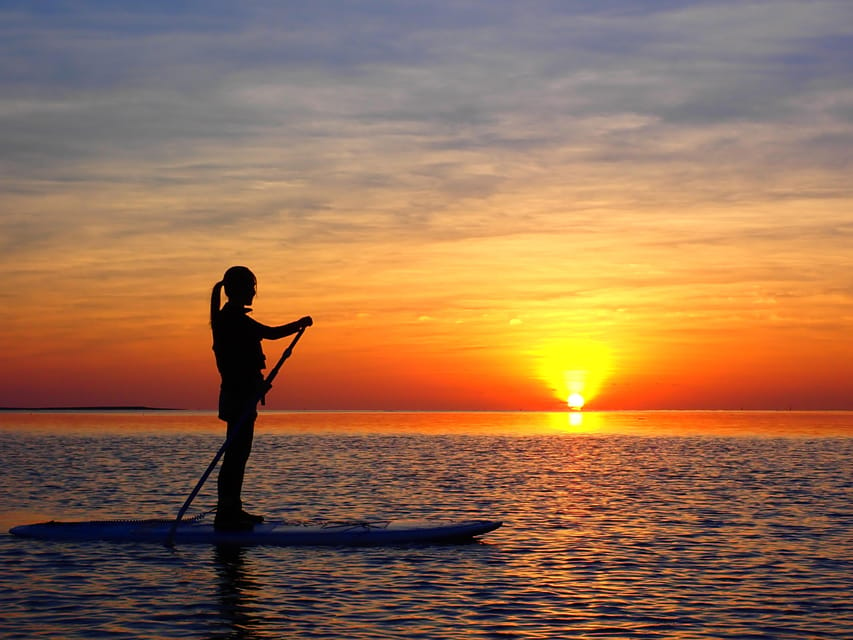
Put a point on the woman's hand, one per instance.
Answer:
(305, 322)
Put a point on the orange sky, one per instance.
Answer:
(489, 222)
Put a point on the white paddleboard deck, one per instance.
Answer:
(274, 532)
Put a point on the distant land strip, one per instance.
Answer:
(107, 408)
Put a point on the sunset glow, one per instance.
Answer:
(482, 207)
(576, 401)
(575, 370)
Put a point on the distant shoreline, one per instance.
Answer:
(116, 408)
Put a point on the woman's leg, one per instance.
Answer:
(233, 470)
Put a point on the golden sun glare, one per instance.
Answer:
(575, 401)
(574, 370)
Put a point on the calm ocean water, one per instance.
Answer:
(635, 525)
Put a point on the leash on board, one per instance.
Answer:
(250, 410)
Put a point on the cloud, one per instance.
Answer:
(340, 129)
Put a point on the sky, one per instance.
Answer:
(483, 204)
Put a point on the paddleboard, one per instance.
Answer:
(274, 532)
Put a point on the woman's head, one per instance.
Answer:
(240, 286)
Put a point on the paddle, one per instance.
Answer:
(170, 538)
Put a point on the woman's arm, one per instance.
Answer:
(274, 333)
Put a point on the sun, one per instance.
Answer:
(575, 401)
(574, 370)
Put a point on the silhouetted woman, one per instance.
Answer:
(240, 360)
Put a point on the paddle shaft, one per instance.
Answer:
(247, 414)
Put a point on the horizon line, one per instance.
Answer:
(139, 408)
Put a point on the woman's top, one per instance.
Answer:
(239, 358)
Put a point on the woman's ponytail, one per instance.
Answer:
(215, 300)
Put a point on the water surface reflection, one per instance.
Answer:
(655, 526)
(237, 589)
